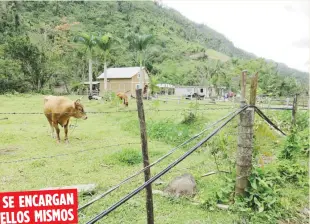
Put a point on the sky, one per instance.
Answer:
(273, 29)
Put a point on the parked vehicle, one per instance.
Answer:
(198, 96)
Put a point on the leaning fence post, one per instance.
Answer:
(243, 88)
(245, 137)
(147, 172)
(294, 111)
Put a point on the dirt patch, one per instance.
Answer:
(8, 150)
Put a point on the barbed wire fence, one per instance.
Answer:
(67, 154)
(225, 120)
(169, 167)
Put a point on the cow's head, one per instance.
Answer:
(79, 110)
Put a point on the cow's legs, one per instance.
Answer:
(55, 125)
(51, 125)
(57, 131)
(52, 129)
(66, 132)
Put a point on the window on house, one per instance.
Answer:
(139, 74)
(137, 86)
(201, 90)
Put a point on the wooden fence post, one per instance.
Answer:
(147, 172)
(245, 138)
(294, 111)
(243, 88)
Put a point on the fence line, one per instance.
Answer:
(65, 154)
(153, 110)
(262, 115)
(169, 167)
(109, 112)
(154, 163)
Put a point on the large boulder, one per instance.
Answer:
(184, 185)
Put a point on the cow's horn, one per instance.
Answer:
(81, 97)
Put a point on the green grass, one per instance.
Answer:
(27, 136)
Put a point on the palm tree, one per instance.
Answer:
(104, 43)
(89, 41)
(153, 85)
(139, 43)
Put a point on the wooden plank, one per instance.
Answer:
(254, 81)
(243, 87)
(294, 111)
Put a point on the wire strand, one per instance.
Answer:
(169, 167)
(64, 154)
(152, 164)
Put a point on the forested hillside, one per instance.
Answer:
(37, 50)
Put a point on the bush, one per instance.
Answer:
(189, 118)
(292, 172)
(291, 147)
(167, 131)
(129, 156)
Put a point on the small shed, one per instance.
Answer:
(125, 79)
(189, 90)
(95, 87)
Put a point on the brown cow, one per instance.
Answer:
(124, 97)
(59, 110)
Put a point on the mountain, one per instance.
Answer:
(51, 27)
(214, 40)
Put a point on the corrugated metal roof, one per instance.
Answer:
(165, 86)
(120, 73)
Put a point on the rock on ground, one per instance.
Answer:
(182, 185)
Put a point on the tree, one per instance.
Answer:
(33, 62)
(89, 41)
(105, 43)
(139, 43)
(153, 85)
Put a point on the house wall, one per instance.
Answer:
(135, 82)
(181, 91)
(135, 78)
(116, 85)
(122, 85)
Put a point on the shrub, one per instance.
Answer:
(129, 156)
(291, 147)
(292, 172)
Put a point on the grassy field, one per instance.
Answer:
(105, 163)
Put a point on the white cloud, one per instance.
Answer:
(268, 29)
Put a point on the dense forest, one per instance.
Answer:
(38, 49)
